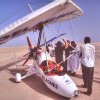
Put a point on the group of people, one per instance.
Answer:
(68, 56)
(74, 56)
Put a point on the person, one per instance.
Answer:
(50, 47)
(73, 61)
(47, 48)
(59, 52)
(50, 67)
(42, 55)
(67, 50)
(87, 54)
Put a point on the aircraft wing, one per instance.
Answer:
(56, 11)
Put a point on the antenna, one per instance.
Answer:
(30, 7)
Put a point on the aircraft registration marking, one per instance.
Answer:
(50, 82)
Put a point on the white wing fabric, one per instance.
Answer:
(56, 11)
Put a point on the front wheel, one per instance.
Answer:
(76, 93)
(18, 77)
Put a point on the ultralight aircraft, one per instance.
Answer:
(43, 66)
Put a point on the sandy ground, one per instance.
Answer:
(33, 88)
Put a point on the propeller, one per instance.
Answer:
(31, 50)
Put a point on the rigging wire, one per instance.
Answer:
(12, 14)
(73, 34)
(61, 21)
(62, 18)
(23, 7)
(15, 58)
(44, 38)
(59, 29)
(34, 37)
(59, 36)
(41, 2)
(72, 30)
(64, 42)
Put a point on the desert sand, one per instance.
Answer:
(33, 88)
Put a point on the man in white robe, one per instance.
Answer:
(73, 60)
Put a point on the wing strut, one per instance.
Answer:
(40, 34)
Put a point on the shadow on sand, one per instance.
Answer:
(97, 80)
(10, 64)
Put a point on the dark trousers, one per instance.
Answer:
(66, 61)
(88, 77)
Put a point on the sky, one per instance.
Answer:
(76, 29)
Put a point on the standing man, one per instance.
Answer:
(59, 52)
(87, 54)
(74, 61)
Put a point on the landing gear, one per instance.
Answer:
(18, 77)
(76, 93)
